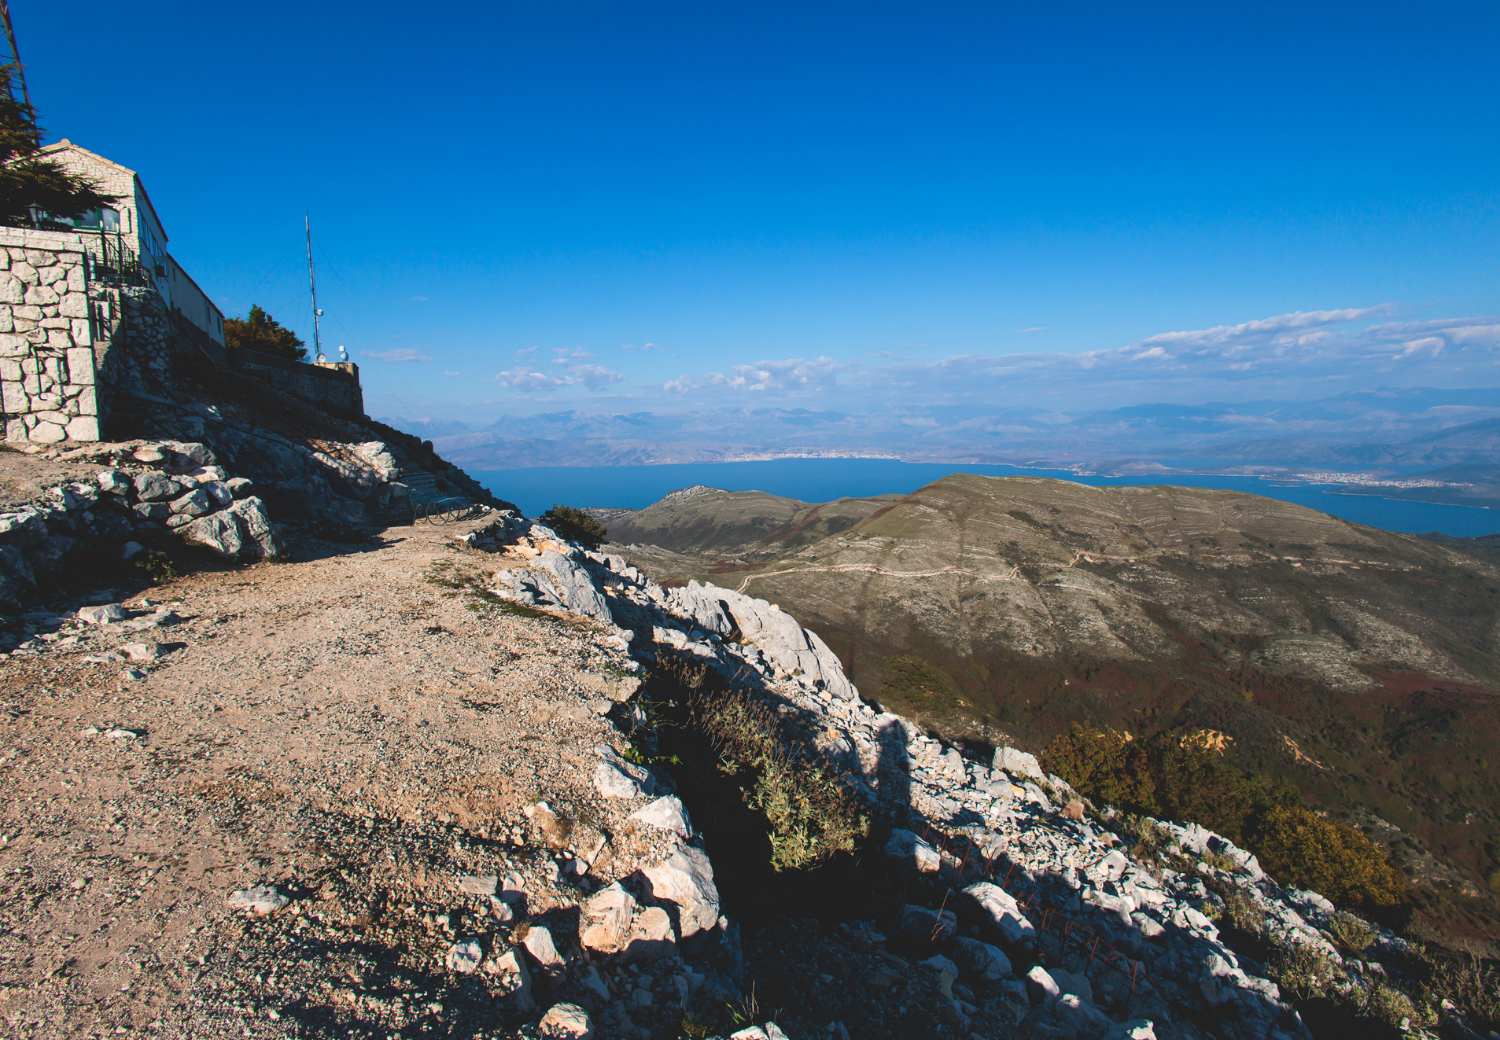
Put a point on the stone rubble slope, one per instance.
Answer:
(326, 471)
(1035, 874)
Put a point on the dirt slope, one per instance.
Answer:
(344, 727)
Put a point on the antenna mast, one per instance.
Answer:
(10, 34)
(312, 285)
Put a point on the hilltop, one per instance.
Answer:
(1360, 664)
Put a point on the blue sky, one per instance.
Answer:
(519, 212)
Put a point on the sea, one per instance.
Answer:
(534, 490)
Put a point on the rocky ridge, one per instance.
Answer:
(1050, 924)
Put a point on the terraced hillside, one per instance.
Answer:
(1358, 664)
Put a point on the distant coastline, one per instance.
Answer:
(822, 478)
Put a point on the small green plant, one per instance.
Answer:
(1242, 913)
(1303, 972)
(1349, 933)
(575, 524)
(1219, 861)
(155, 566)
(1388, 1005)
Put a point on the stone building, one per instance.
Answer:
(95, 308)
(134, 223)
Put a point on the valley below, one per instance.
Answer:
(1357, 665)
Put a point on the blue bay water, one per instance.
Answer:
(820, 480)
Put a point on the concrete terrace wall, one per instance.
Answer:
(330, 385)
(48, 372)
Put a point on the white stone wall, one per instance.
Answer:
(47, 368)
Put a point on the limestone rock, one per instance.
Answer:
(650, 935)
(667, 814)
(539, 943)
(483, 885)
(152, 486)
(604, 926)
(913, 851)
(566, 1022)
(464, 956)
(616, 778)
(513, 980)
(259, 900)
(686, 880)
(981, 961)
(1002, 913)
(1018, 763)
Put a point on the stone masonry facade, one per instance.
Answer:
(48, 371)
(69, 346)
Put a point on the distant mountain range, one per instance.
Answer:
(1436, 435)
(1360, 664)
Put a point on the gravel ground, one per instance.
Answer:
(357, 730)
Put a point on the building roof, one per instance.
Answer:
(66, 145)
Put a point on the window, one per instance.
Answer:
(104, 218)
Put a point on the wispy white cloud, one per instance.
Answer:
(1260, 328)
(782, 374)
(588, 376)
(400, 356)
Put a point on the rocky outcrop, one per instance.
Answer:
(1116, 946)
(149, 489)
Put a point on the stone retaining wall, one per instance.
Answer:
(48, 372)
(68, 347)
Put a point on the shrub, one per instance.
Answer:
(1302, 971)
(155, 566)
(811, 816)
(1468, 983)
(1349, 933)
(1299, 847)
(576, 525)
(1106, 765)
(1242, 913)
(1179, 779)
(1388, 1005)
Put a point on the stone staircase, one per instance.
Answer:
(425, 492)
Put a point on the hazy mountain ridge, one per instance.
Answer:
(1445, 435)
(1032, 604)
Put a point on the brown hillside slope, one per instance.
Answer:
(1019, 606)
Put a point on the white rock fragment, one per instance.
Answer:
(481, 885)
(667, 814)
(686, 879)
(464, 956)
(539, 943)
(102, 614)
(259, 900)
(566, 1022)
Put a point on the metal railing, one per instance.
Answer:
(111, 261)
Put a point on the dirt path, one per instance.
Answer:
(351, 728)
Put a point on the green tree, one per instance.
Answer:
(575, 524)
(260, 332)
(28, 180)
